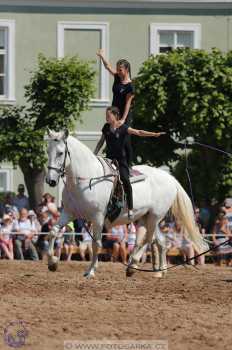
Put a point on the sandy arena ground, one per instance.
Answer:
(190, 308)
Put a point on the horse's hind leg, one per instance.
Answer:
(152, 224)
(162, 249)
(145, 234)
(138, 251)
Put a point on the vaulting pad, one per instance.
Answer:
(136, 176)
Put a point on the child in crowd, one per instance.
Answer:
(6, 244)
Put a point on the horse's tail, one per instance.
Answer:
(182, 210)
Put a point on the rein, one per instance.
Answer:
(185, 262)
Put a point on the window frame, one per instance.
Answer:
(155, 28)
(9, 96)
(103, 27)
(9, 177)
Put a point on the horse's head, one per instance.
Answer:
(57, 154)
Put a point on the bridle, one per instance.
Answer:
(61, 170)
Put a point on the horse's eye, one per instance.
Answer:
(59, 154)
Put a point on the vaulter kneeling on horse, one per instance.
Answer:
(115, 133)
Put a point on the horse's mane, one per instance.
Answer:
(61, 135)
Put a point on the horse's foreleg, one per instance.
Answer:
(53, 234)
(96, 246)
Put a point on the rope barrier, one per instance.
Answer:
(47, 233)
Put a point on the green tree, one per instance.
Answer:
(58, 92)
(188, 93)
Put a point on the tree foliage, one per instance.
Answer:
(58, 92)
(187, 93)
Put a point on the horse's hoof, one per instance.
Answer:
(158, 274)
(53, 263)
(130, 271)
(89, 274)
(53, 267)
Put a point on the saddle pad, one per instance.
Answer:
(136, 176)
(135, 172)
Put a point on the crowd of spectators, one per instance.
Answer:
(21, 228)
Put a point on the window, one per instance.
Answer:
(83, 39)
(7, 74)
(166, 37)
(5, 180)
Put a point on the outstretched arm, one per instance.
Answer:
(143, 133)
(106, 64)
(99, 144)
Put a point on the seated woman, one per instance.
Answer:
(116, 241)
(221, 233)
(69, 241)
(23, 242)
(6, 244)
(175, 238)
(86, 243)
(131, 237)
(114, 133)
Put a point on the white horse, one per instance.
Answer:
(152, 197)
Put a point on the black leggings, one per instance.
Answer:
(124, 175)
(128, 150)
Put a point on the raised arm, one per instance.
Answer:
(106, 64)
(143, 133)
(99, 144)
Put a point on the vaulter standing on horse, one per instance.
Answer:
(123, 95)
(115, 134)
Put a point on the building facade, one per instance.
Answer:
(123, 29)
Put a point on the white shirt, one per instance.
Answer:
(24, 227)
(85, 235)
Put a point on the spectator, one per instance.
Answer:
(86, 243)
(199, 221)
(228, 212)
(6, 244)
(131, 237)
(221, 233)
(23, 240)
(116, 241)
(42, 242)
(59, 241)
(48, 204)
(69, 241)
(33, 218)
(205, 215)
(176, 239)
(8, 206)
(21, 201)
(201, 259)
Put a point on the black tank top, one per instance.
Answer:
(120, 92)
(115, 141)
